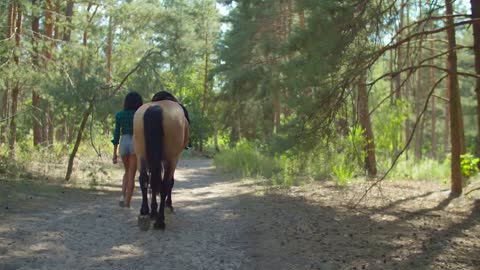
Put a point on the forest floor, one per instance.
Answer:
(222, 222)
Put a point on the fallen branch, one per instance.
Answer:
(472, 190)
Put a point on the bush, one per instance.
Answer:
(469, 165)
(427, 169)
(243, 159)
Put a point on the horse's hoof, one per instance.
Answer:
(153, 215)
(143, 222)
(159, 225)
(172, 211)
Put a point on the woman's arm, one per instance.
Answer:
(116, 137)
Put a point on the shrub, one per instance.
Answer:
(469, 165)
(427, 169)
(243, 159)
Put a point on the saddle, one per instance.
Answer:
(164, 95)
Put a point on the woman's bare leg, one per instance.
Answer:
(125, 160)
(132, 169)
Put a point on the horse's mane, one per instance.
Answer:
(164, 95)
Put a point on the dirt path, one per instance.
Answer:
(224, 223)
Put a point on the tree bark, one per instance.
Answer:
(419, 97)
(16, 87)
(205, 75)
(68, 15)
(365, 123)
(50, 125)
(446, 137)
(456, 131)
(408, 88)
(36, 111)
(301, 19)
(418, 108)
(48, 29)
(398, 77)
(475, 5)
(5, 104)
(433, 110)
(5, 109)
(109, 49)
(56, 29)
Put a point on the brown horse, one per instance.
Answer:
(160, 133)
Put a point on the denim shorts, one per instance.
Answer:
(126, 145)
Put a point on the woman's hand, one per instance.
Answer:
(114, 159)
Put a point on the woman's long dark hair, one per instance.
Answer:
(133, 101)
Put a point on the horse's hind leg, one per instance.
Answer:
(169, 172)
(143, 220)
(169, 195)
(160, 223)
(154, 205)
(144, 187)
(154, 184)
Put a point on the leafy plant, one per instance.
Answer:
(244, 159)
(469, 165)
(343, 174)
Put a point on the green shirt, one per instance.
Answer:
(123, 125)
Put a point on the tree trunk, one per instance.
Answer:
(408, 87)
(5, 109)
(36, 111)
(419, 97)
(432, 82)
(68, 15)
(56, 30)
(48, 30)
(456, 131)
(365, 123)
(50, 125)
(85, 41)
(81, 128)
(13, 122)
(5, 104)
(42, 112)
(301, 19)
(476, 45)
(205, 77)
(392, 79)
(16, 87)
(109, 49)
(418, 108)
(276, 111)
(446, 137)
(398, 77)
(215, 140)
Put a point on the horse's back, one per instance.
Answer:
(175, 128)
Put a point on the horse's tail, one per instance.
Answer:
(154, 146)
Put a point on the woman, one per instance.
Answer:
(123, 135)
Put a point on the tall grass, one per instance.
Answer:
(244, 160)
(426, 169)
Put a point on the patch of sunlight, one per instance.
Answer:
(5, 230)
(45, 246)
(200, 207)
(230, 216)
(122, 252)
(383, 218)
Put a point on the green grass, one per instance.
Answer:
(245, 161)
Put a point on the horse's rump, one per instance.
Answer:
(173, 123)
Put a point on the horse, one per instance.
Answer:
(160, 133)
